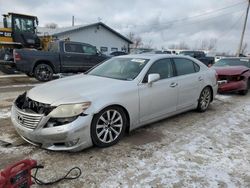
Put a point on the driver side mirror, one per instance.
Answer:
(153, 78)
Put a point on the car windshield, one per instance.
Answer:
(232, 62)
(120, 68)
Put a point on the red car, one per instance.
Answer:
(233, 75)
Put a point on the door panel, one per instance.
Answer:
(158, 99)
(189, 90)
(190, 81)
(73, 59)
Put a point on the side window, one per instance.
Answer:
(162, 67)
(73, 48)
(104, 49)
(185, 66)
(114, 49)
(196, 67)
(89, 50)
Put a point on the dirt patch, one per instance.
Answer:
(143, 136)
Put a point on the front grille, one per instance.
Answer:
(27, 120)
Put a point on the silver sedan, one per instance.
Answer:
(119, 95)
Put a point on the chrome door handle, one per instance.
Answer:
(200, 78)
(174, 84)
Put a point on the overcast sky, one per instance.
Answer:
(159, 22)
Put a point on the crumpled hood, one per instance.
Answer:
(230, 70)
(72, 89)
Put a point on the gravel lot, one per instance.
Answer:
(210, 149)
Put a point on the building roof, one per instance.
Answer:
(65, 30)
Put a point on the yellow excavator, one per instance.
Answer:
(19, 31)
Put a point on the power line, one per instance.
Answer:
(192, 17)
(223, 35)
(206, 19)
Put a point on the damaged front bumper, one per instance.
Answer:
(33, 128)
(225, 86)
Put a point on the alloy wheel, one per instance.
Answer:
(109, 126)
(205, 99)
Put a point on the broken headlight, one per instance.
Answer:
(69, 110)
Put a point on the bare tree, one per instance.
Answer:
(131, 36)
(208, 44)
(51, 25)
(183, 46)
(212, 44)
(244, 48)
(137, 40)
(149, 44)
(203, 45)
(172, 46)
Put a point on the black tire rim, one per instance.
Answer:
(109, 126)
(44, 72)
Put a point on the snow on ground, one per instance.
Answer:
(196, 159)
(4, 113)
(9, 95)
(224, 98)
(18, 86)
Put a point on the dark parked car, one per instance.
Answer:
(62, 57)
(200, 55)
(118, 53)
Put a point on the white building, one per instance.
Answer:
(98, 34)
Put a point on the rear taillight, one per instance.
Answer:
(17, 56)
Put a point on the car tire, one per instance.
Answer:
(43, 72)
(108, 126)
(204, 99)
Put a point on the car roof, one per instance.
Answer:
(152, 56)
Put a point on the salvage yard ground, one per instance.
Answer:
(210, 149)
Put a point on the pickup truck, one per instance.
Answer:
(200, 55)
(62, 57)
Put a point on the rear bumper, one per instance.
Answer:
(7, 63)
(232, 86)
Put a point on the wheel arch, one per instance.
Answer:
(212, 92)
(43, 62)
(124, 110)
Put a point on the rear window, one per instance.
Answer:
(73, 48)
(185, 66)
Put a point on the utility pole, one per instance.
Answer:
(73, 20)
(244, 29)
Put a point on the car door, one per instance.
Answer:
(73, 59)
(190, 82)
(159, 98)
(91, 55)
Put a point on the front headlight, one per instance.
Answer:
(69, 110)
